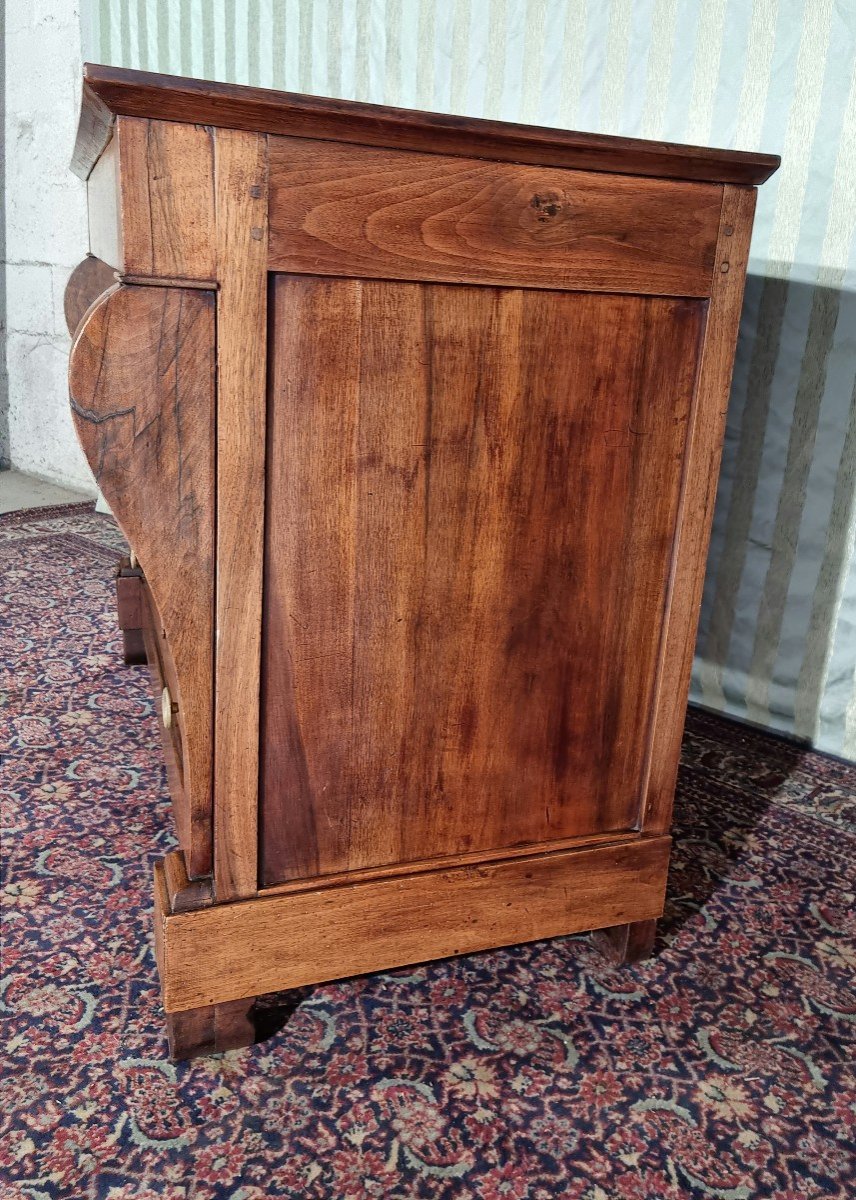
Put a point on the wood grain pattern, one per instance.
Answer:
(697, 503)
(440, 646)
(466, 554)
(185, 894)
(167, 199)
(89, 280)
(163, 675)
(346, 210)
(241, 236)
(171, 98)
(271, 943)
(213, 1028)
(473, 859)
(141, 380)
(194, 205)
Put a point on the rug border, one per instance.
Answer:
(20, 516)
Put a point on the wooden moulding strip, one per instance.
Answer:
(110, 90)
(475, 858)
(270, 943)
(695, 517)
(240, 177)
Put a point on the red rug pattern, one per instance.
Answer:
(723, 1067)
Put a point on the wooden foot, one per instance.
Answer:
(626, 943)
(211, 1030)
(133, 647)
(129, 609)
(229, 1025)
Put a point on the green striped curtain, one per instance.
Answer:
(777, 642)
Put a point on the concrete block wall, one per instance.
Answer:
(46, 233)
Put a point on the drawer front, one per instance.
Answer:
(387, 214)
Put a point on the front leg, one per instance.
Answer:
(129, 610)
(628, 943)
(215, 1027)
(211, 1030)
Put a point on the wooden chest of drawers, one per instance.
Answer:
(413, 425)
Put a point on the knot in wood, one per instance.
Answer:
(547, 206)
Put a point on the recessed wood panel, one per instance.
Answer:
(471, 496)
(387, 214)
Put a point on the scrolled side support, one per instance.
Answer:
(142, 391)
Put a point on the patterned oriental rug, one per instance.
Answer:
(723, 1067)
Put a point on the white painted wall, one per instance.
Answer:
(46, 233)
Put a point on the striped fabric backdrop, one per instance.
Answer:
(777, 642)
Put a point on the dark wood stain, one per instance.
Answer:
(116, 90)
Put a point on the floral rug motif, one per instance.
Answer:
(723, 1067)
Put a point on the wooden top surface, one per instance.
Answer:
(112, 91)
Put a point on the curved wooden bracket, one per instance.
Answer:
(87, 283)
(142, 387)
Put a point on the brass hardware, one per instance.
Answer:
(168, 708)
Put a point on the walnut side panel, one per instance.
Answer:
(697, 504)
(467, 551)
(266, 944)
(141, 380)
(386, 214)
